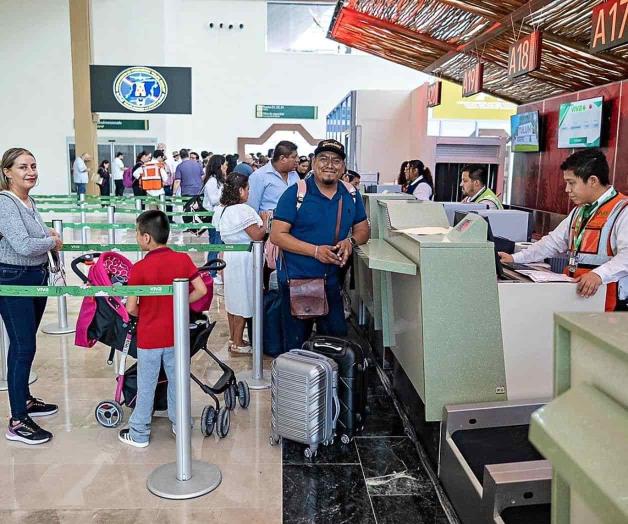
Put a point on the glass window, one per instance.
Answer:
(301, 27)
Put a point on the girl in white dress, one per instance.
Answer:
(238, 223)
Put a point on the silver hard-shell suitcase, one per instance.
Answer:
(305, 407)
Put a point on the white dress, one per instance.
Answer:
(232, 221)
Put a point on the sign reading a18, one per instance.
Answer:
(525, 55)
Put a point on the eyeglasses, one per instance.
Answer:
(327, 160)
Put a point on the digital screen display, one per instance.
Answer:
(580, 123)
(524, 130)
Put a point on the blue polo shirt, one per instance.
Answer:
(315, 223)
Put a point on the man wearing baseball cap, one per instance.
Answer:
(317, 224)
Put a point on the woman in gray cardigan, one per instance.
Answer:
(24, 245)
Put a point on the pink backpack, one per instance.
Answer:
(127, 177)
(271, 251)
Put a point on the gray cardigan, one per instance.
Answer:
(25, 237)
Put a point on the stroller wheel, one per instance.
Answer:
(208, 420)
(224, 422)
(109, 414)
(244, 394)
(230, 398)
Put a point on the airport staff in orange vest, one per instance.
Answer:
(594, 234)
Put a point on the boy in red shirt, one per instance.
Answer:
(155, 326)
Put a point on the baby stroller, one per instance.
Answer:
(105, 319)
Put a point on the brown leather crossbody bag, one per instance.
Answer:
(308, 298)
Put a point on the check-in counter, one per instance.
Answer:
(583, 432)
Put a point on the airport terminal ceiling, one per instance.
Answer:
(445, 37)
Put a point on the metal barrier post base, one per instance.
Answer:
(254, 383)
(4, 385)
(163, 481)
(55, 329)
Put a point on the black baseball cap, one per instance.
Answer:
(333, 146)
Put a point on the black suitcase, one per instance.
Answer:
(352, 381)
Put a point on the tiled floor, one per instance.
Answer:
(86, 475)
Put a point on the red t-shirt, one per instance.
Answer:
(155, 326)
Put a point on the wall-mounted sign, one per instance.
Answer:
(298, 112)
(434, 94)
(608, 27)
(141, 89)
(473, 80)
(124, 125)
(525, 55)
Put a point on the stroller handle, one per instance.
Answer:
(214, 265)
(88, 257)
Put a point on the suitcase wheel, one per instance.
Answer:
(273, 441)
(309, 454)
(345, 439)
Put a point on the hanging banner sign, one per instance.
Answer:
(473, 80)
(141, 89)
(434, 94)
(525, 55)
(608, 26)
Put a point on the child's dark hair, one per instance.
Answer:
(154, 223)
(231, 189)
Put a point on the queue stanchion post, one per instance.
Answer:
(61, 327)
(138, 208)
(111, 220)
(255, 378)
(83, 221)
(4, 355)
(185, 478)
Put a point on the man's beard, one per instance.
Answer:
(329, 182)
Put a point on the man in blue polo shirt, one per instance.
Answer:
(306, 233)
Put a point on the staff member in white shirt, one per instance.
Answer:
(594, 234)
(117, 171)
(420, 182)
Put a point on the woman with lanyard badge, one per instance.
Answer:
(595, 234)
(24, 248)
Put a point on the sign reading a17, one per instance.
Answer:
(609, 25)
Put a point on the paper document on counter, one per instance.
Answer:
(426, 230)
(544, 276)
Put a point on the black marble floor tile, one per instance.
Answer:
(337, 453)
(383, 419)
(375, 386)
(325, 495)
(391, 467)
(407, 508)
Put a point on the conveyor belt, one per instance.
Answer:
(534, 514)
(499, 445)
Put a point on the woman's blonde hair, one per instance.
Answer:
(8, 159)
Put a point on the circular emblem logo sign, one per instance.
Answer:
(140, 89)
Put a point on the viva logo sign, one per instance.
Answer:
(140, 89)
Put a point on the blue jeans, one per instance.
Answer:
(80, 188)
(214, 238)
(149, 363)
(297, 331)
(21, 316)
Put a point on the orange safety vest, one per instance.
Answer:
(596, 248)
(150, 179)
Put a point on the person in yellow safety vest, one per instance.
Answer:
(153, 174)
(594, 234)
(474, 180)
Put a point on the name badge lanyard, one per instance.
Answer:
(577, 233)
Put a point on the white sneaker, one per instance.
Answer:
(125, 437)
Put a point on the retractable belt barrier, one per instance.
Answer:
(82, 209)
(185, 478)
(130, 248)
(66, 198)
(129, 225)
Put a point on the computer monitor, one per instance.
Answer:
(499, 243)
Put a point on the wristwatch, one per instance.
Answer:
(353, 242)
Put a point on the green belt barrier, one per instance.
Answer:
(100, 225)
(77, 210)
(133, 248)
(59, 198)
(80, 291)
